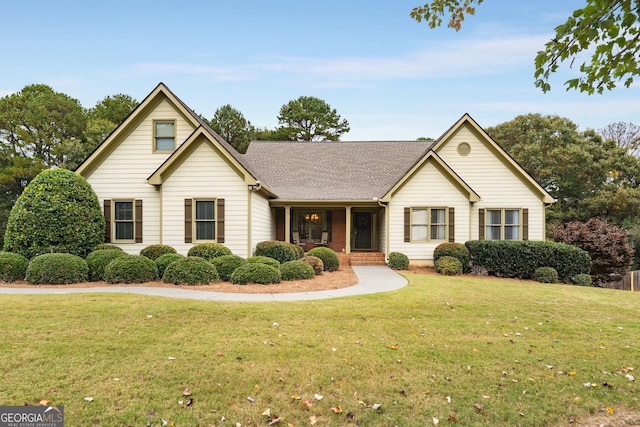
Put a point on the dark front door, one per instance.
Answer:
(362, 230)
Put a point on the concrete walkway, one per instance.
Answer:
(371, 280)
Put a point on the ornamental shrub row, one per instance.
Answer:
(520, 259)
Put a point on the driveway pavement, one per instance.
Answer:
(371, 280)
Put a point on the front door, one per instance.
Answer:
(363, 230)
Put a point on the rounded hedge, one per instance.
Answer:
(296, 270)
(545, 275)
(107, 246)
(190, 271)
(209, 251)
(227, 264)
(163, 261)
(448, 265)
(12, 266)
(154, 252)
(315, 263)
(282, 251)
(328, 256)
(56, 269)
(58, 212)
(398, 261)
(582, 280)
(131, 269)
(256, 272)
(98, 261)
(456, 250)
(265, 260)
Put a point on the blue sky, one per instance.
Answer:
(389, 76)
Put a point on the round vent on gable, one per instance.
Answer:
(464, 148)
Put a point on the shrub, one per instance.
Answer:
(328, 256)
(165, 260)
(107, 246)
(209, 251)
(448, 265)
(190, 271)
(227, 264)
(545, 275)
(153, 252)
(282, 251)
(57, 269)
(98, 261)
(456, 250)
(12, 266)
(296, 270)
(315, 263)
(398, 261)
(608, 245)
(265, 260)
(582, 280)
(57, 212)
(131, 269)
(255, 272)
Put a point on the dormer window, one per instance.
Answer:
(164, 135)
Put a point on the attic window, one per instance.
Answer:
(464, 149)
(164, 135)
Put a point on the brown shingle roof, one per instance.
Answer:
(333, 170)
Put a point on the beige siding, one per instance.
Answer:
(204, 174)
(427, 188)
(263, 223)
(123, 174)
(495, 182)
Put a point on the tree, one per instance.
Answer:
(626, 135)
(231, 125)
(311, 119)
(588, 176)
(114, 108)
(607, 30)
(57, 212)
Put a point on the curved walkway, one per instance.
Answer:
(371, 280)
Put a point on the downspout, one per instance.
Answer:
(252, 189)
(386, 228)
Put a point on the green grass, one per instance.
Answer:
(468, 351)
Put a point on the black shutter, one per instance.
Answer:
(138, 222)
(452, 225)
(481, 221)
(107, 220)
(407, 224)
(220, 221)
(188, 229)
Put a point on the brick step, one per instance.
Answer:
(367, 258)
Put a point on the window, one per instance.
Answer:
(502, 224)
(428, 224)
(123, 221)
(205, 220)
(164, 135)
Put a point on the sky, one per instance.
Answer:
(391, 77)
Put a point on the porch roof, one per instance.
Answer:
(306, 171)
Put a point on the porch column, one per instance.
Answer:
(287, 224)
(348, 230)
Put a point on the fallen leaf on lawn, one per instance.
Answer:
(172, 358)
(626, 369)
(448, 399)
(336, 409)
(307, 403)
(572, 373)
(44, 402)
(478, 406)
(609, 410)
(393, 347)
(376, 405)
(436, 421)
(318, 396)
(219, 354)
(313, 420)
(296, 397)
(190, 402)
(452, 419)
(52, 390)
(275, 421)
(89, 399)
(630, 377)
(267, 413)
(186, 391)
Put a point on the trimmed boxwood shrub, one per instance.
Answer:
(227, 264)
(12, 266)
(58, 212)
(153, 252)
(328, 256)
(98, 261)
(545, 275)
(209, 251)
(107, 246)
(456, 250)
(296, 270)
(315, 263)
(131, 269)
(448, 265)
(190, 271)
(163, 261)
(256, 272)
(57, 269)
(398, 261)
(582, 280)
(265, 260)
(282, 251)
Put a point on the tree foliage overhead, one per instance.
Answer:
(311, 119)
(606, 30)
(626, 135)
(114, 108)
(231, 125)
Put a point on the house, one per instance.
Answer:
(164, 176)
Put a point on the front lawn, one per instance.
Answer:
(456, 350)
